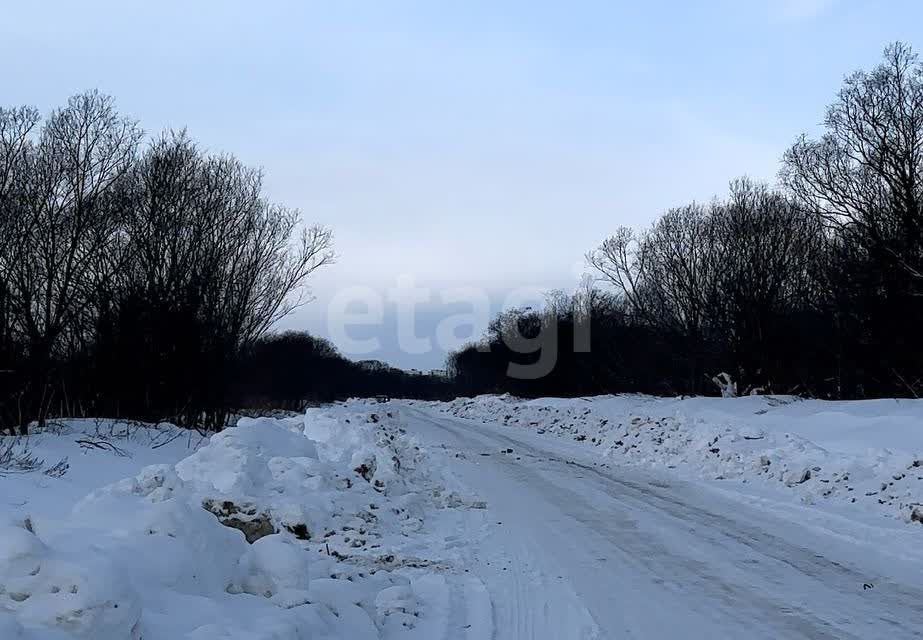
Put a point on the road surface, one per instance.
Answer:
(570, 548)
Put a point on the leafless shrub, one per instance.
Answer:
(58, 470)
(90, 444)
(16, 456)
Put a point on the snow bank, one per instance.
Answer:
(278, 528)
(76, 595)
(863, 453)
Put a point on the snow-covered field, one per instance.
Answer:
(306, 527)
(860, 455)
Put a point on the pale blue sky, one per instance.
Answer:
(484, 143)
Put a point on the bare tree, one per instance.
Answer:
(668, 275)
(863, 176)
(151, 272)
(212, 266)
(16, 125)
(621, 261)
(769, 252)
(63, 227)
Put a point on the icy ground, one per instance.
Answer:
(615, 517)
(581, 540)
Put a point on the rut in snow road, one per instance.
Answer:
(573, 549)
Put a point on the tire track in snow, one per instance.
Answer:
(664, 539)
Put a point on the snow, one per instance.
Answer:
(582, 518)
(312, 526)
(83, 594)
(238, 461)
(273, 566)
(577, 544)
(865, 455)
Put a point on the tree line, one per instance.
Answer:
(813, 286)
(140, 278)
(291, 369)
(134, 275)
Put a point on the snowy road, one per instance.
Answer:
(570, 548)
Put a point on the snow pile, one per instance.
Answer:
(279, 528)
(866, 453)
(331, 486)
(83, 595)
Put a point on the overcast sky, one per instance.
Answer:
(480, 144)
